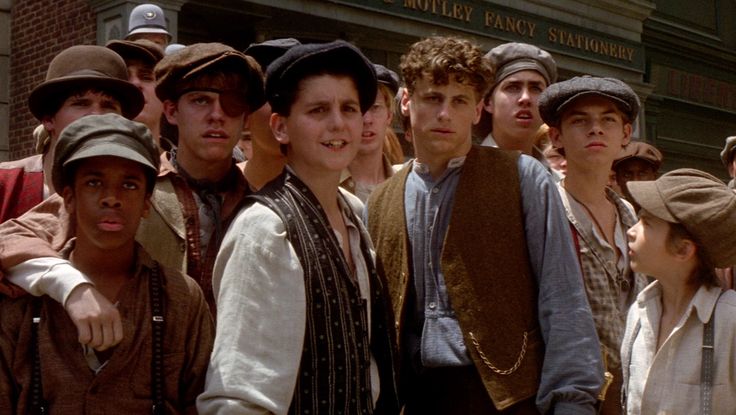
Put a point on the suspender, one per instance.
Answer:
(39, 406)
(157, 327)
(706, 365)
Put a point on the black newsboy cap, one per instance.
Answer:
(338, 57)
(387, 77)
(557, 96)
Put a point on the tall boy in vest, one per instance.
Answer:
(591, 119)
(303, 319)
(489, 302)
(105, 168)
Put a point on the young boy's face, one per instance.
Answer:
(515, 109)
(142, 76)
(375, 122)
(324, 127)
(592, 131)
(107, 201)
(77, 106)
(442, 117)
(208, 126)
(648, 251)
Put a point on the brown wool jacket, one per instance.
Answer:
(486, 269)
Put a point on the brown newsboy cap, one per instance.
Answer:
(104, 135)
(703, 204)
(199, 58)
(86, 67)
(142, 49)
(640, 150)
(556, 97)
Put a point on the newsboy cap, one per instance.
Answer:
(556, 97)
(266, 52)
(513, 57)
(387, 77)
(142, 49)
(104, 135)
(85, 67)
(199, 58)
(727, 152)
(703, 204)
(147, 18)
(640, 150)
(339, 57)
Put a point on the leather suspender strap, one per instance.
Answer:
(38, 404)
(706, 365)
(157, 336)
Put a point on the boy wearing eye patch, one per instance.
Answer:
(207, 90)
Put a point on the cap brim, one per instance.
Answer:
(561, 108)
(648, 196)
(108, 146)
(130, 97)
(131, 51)
(148, 30)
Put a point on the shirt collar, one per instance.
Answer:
(702, 302)
(423, 169)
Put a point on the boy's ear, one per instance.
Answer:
(170, 111)
(147, 207)
(69, 200)
(478, 112)
(554, 135)
(279, 128)
(405, 99)
(686, 249)
(628, 130)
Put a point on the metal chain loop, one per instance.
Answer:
(503, 372)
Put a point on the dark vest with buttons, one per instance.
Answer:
(334, 373)
(486, 268)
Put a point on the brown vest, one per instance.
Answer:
(486, 267)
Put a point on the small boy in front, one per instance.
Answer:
(591, 119)
(105, 168)
(679, 353)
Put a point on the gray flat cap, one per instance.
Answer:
(513, 57)
(557, 96)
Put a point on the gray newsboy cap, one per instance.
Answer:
(339, 57)
(513, 57)
(727, 152)
(104, 135)
(557, 96)
(704, 205)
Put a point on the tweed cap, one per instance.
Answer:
(200, 58)
(142, 49)
(728, 149)
(640, 150)
(104, 135)
(700, 202)
(387, 77)
(147, 18)
(556, 97)
(284, 74)
(266, 52)
(513, 57)
(85, 67)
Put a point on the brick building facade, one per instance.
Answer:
(40, 29)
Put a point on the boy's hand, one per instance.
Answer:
(97, 319)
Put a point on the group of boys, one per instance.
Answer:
(465, 310)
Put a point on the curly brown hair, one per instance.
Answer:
(447, 58)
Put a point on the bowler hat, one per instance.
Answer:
(387, 77)
(142, 49)
(640, 150)
(199, 58)
(88, 67)
(340, 57)
(104, 135)
(266, 52)
(554, 99)
(147, 18)
(703, 204)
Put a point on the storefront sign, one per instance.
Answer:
(486, 19)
